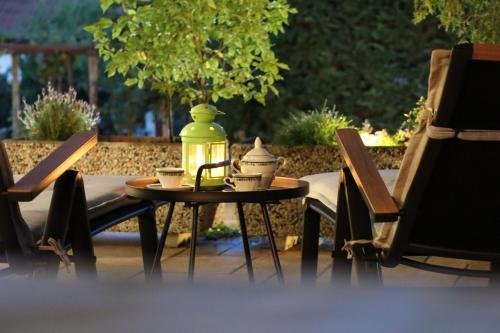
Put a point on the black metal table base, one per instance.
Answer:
(194, 232)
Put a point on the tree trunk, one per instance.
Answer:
(93, 67)
(68, 58)
(169, 116)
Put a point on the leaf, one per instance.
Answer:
(283, 66)
(274, 90)
(130, 81)
(215, 97)
(211, 4)
(104, 23)
(105, 4)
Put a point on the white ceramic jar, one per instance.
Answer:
(259, 160)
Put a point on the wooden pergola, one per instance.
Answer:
(70, 50)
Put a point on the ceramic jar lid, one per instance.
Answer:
(258, 154)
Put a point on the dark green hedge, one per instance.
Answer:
(367, 57)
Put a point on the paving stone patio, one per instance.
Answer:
(119, 258)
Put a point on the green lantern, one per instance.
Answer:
(204, 141)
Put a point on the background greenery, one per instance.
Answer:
(366, 57)
(477, 21)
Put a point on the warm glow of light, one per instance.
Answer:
(196, 157)
(200, 156)
(218, 156)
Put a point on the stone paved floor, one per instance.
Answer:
(119, 258)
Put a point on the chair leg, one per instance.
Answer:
(194, 235)
(246, 245)
(342, 267)
(310, 247)
(79, 234)
(58, 219)
(149, 240)
(272, 243)
(155, 271)
(495, 274)
(365, 256)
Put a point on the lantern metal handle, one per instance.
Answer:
(208, 166)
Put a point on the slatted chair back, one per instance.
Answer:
(449, 193)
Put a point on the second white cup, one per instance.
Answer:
(244, 181)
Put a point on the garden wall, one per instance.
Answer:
(141, 158)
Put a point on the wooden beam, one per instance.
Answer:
(46, 48)
(16, 98)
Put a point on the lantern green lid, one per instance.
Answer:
(203, 128)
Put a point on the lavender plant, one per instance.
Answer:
(56, 116)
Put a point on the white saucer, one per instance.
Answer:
(233, 190)
(157, 186)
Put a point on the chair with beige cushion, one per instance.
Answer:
(445, 197)
(52, 209)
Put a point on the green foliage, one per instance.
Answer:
(476, 21)
(316, 127)
(380, 138)
(220, 231)
(367, 57)
(200, 50)
(64, 23)
(410, 124)
(56, 116)
(59, 24)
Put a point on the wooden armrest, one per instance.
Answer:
(53, 166)
(366, 176)
(488, 52)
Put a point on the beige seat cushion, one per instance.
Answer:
(324, 186)
(103, 193)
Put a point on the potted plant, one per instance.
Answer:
(199, 51)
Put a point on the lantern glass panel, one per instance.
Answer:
(196, 157)
(217, 154)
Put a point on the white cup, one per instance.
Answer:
(244, 181)
(170, 177)
(268, 169)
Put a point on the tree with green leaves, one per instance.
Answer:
(472, 20)
(199, 50)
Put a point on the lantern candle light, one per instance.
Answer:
(204, 141)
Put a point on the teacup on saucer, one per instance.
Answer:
(244, 181)
(170, 177)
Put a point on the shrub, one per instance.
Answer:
(56, 116)
(316, 127)
(220, 231)
(411, 122)
(374, 138)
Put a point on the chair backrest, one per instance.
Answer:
(15, 236)
(450, 203)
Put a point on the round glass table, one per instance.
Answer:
(282, 188)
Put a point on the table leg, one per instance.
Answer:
(246, 245)
(149, 242)
(194, 234)
(274, 250)
(163, 238)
